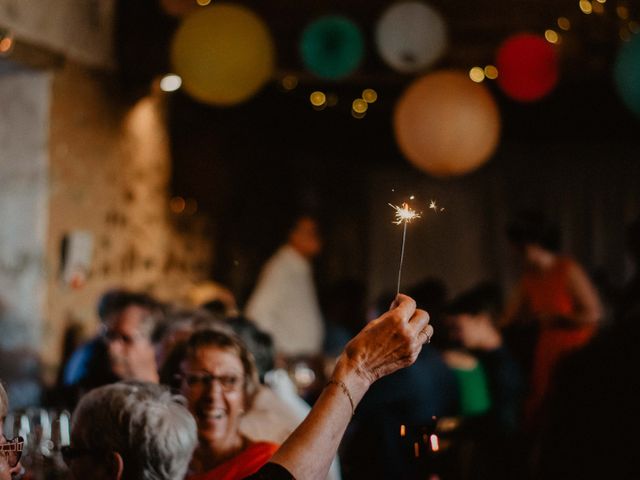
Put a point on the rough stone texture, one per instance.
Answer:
(24, 103)
(110, 170)
(81, 30)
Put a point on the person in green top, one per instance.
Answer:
(490, 382)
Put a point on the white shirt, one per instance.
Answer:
(284, 304)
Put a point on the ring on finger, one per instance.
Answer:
(427, 334)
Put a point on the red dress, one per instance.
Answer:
(548, 296)
(242, 465)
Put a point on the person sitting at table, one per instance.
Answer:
(130, 430)
(10, 450)
(219, 380)
(122, 350)
(391, 342)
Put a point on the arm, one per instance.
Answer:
(588, 307)
(385, 345)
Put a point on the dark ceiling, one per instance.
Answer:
(476, 29)
(250, 167)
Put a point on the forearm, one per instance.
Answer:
(308, 452)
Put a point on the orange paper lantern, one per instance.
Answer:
(445, 124)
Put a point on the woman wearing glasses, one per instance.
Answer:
(219, 380)
(10, 450)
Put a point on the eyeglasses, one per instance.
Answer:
(113, 336)
(228, 383)
(12, 449)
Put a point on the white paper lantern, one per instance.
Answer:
(411, 36)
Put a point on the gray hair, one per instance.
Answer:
(145, 423)
(4, 402)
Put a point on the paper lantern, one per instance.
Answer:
(411, 36)
(224, 54)
(446, 124)
(527, 66)
(626, 74)
(332, 47)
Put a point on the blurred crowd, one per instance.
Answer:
(536, 384)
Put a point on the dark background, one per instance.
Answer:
(253, 166)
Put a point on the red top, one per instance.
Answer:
(242, 465)
(547, 293)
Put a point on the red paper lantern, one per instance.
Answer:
(527, 66)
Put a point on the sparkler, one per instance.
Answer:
(404, 215)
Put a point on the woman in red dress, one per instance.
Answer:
(219, 381)
(556, 293)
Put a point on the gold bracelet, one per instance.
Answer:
(346, 392)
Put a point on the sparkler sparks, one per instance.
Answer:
(434, 206)
(404, 214)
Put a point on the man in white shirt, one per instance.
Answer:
(284, 302)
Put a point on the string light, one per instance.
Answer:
(551, 36)
(318, 99)
(476, 74)
(585, 6)
(369, 95)
(491, 72)
(359, 105)
(170, 83)
(564, 23)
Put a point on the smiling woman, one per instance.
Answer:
(219, 380)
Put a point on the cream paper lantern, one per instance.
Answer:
(445, 124)
(411, 36)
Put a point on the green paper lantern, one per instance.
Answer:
(332, 47)
(626, 74)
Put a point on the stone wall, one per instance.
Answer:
(24, 103)
(110, 168)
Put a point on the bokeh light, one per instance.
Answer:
(317, 98)
(369, 95)
(585, 6)
(359, 105)
(491, 72)
(564, 23)
(551, 36)
(289, 82)
(476, 74)
(177, 204)
(170, 82)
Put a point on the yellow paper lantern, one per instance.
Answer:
(224, 54)
(446, 124)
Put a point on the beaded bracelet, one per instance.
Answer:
(346, 392)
